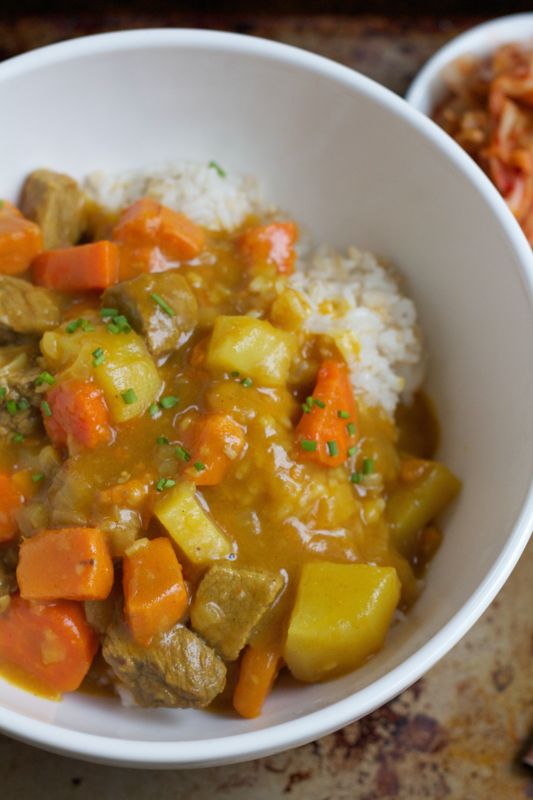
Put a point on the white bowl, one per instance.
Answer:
(429, 88)
(356, 164)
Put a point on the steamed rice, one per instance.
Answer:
(352, 297)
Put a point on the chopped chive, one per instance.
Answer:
(11, 407)
(3, 392)
(37, 476)
(129, 397)
(162, 440)
(352, 450)
(73, 326)
(45, 377)
(109, 312)
(76, 324)
(168, 402)
(305, 408)
(356, 477)
(218, 169)
(247, 382)
(319, 403)
(122, 323)
(182, 453)
(162, 303)
(17, 438)
(164, 483)
(153, 410)
(234, 374)
(343, 414)
(368, 466)
(351, 428)
(98, 357)
(308, 445)
(112, 328)
(86, 326)
(45, 408)
(23, 404)
(199, 467)
(333, 450)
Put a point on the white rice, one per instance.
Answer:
(353, 298)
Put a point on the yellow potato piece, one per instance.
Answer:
(340, 618)
(186, 521)
(252, 347)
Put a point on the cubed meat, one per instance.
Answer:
(177, 670)
(21, 398)
(229, 603)
(27, 309)
(57, 204)
(161, 306)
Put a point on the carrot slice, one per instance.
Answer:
(78, 269)
(65, 564)
(11, 499)
(77, 409)
(271, 245)
(217, 441)
(328, 427)
(20, 240)
(155, 595)
(257, 674)
(50, 642)
(146, 226)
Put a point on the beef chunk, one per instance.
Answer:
(177, 670)
(20, 404)
(229, 603)
(163, 331)
(27, 309)
(57, 204)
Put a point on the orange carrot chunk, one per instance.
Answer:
(257, 674)
(78, 269)
(20, 240)
(65, 564)
(147, 224)
(327, 429)
(76, 409)
(271, 245)
(52, 643)
(217, 441)
(155, 595)
(11, 499)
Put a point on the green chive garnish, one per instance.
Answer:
(199, 466)
(162, 303)
(153, 410)
(37, 476)
(234, 374)
(86, 326)
(216, 166)
(352, 450)
(333, 450)
(108, 312)
(351, 428)
(182, 453)
(12, 407)
(168, 402)
(23, 404)
(45, 377)
(73, 326)
(45, 408)
(368, 466)
(356, 477)
(98, 357)
(129, 397)
(17, 438)
(162, 440)
(247, 382)
(112, 328)
(308, 445)
(3, 392)
(164, 483)
(76, 324)
(319, 403)
(343, 414)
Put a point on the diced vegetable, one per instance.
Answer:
(188, 523)
(78, 269)
(11, 499)
(411, 507)
(78, 410)
(127, 365)
(50, 642)
(155, 595)
(65, 564)
(253, 348)
(20, 240)
(257, 674)
(217, 442)
(340, 618)
(271, 245)
(327, 429)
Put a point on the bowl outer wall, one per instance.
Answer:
(257, 741)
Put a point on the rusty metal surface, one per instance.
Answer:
(460, 731)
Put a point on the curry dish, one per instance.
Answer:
(191, 487)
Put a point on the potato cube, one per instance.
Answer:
(186, 521)
(252, 347)
(340, 618)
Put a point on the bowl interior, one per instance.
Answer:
(348, 160)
